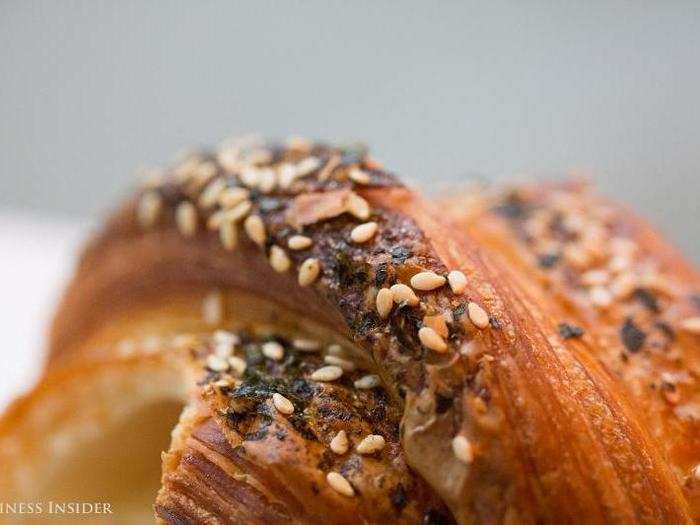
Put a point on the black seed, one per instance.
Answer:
(632, 337)
(380, 274)
(398, 497)
(458, 312)
(647, 298)
(666, 329)
(569, 331)
(548, 260)
(512, 208)
(435, 517)
(495, 323)
(400, 254)
(268, 204)
(442, 403)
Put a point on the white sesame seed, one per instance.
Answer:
(299, 242)
(457, 280)
(309, 271)
(384, 302)
(273, 350)
(363, 232)
(345, 364)
(426, 281)
(267, 180)
(239, 211)
(216, 363)
(691, 325)
(213, 307)
(250, 177)
(279, 260)
(186, 218)
(336, 350)
(255, 228)
(327, 373)
(477, 315)
(371, 444)
(226, 337)
(223, 349)
(462, 449)
(228, 235)
(306, 345)
(286, 174)
(358, 207)
(367, 382)
(238, 365)
(340, 444)
(359, 176)
(600, 297)
(211, 193)
(403, 294)
(307, 166)
(595, 277)
(282, 404)
(430, 339)
(230, 197)
(149, 208)
(340, 484)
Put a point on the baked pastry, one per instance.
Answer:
(348, 352)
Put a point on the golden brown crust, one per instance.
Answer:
(504, 419)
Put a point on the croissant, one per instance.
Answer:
(346, 351)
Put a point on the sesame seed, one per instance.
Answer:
(216, 363)
(330, 166)
(250, 177)
(211, 193)
(477, 315)
(215, 219)
(358, 207)
(371, 444)
(149, 208)
(600, 297)
(226, 337)
(359, 176)
(367, 382)
(346, 365)
(255, 228)
(309, 271)
(691, 325)
(457, 280)
(286, 174)
(335, 349)
(267, 180)
(426, 281)
(230, 197)
(340, 484)
(223, 349)
(595, 277)
(462, 449)
(299, 242)
(186, 218)
(279, 260)
(307, 166)
(403, 294)
(339, 444)
(363, 232)
(238, 365)
(228, 235)
(385, 302)
(696, 472)
(239, 211)
(306, 345)
(213, 307)
(430, 339)
(282, 404)
(327, 373)
(273, 350)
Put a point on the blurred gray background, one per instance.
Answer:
(91, 90)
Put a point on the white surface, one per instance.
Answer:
(38, 254)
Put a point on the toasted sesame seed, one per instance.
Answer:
(403, 294)
(238, 365)
(239, 211)
(306, 345)
(358, 207)
(359, 176)
(367, 382)
(309, 271)
(691, 325)
(255, 228)
(213, 307)
(230, 197)
(273, 350)
(477, 315)
(345, 364)
(216, 363)
(149, 208)
(430, 339)
(279, 260)
(363, 232)
(299, 242)
(457, 280)
(282, 404)
(211, 193)
(600, 297)
(186, 218)
(329, 167)
(371, 444)
(327, 373)
(340, 484)
(228, 235)
(462, 449)
(340, 444)
(426, 281)
(384, 302)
